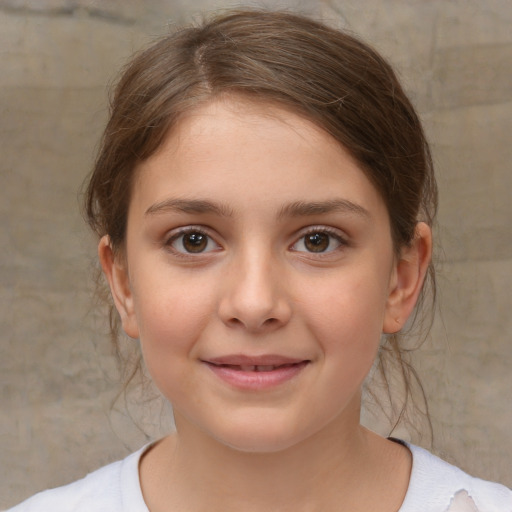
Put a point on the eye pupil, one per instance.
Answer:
(195, 242)
(316, 242)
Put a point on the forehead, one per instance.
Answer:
(242, 150)
(221, 116)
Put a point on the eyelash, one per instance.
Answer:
(182, 232)
(313, 230)
(323, 230)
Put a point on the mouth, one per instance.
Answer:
(256, 373)
(256, 367)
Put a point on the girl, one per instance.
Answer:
(263, 198)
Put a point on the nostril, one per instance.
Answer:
(269, 322)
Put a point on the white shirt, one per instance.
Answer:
(434, 486)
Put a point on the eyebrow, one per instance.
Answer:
(305, 209)
(189, 206)
(295, 209)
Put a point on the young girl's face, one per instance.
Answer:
(259, 275)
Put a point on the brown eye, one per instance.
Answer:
(316, 242)
(193, 242)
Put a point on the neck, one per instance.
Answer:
(192, 471)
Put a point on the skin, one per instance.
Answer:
(238, 174)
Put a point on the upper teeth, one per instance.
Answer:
(257, 368)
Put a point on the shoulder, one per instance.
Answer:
(113, 488)
(448, 488)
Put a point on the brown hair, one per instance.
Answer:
(323, 74)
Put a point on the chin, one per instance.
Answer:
(261, 437)
(261, 444)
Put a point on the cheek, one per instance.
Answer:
(170, 323)
(346, 317)
(171, 315)
(356, 300)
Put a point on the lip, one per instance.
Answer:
(256, 372)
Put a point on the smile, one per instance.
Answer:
(256, 374)
(255, 368)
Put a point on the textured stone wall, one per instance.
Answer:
(58, 377)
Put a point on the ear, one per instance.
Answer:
(118, 279)
(408, 278)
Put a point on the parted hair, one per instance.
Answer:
(324, 74)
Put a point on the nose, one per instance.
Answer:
(254, 295)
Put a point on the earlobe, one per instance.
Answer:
(118, 279)
(410, 272)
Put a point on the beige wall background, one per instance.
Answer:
(57, 375)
